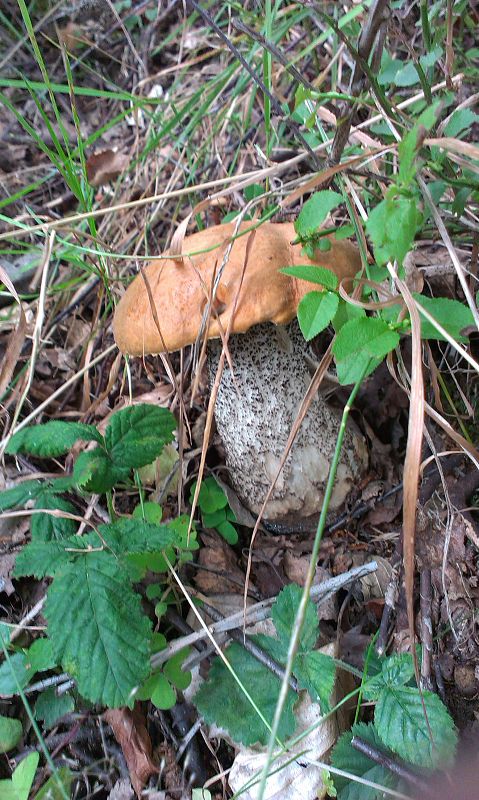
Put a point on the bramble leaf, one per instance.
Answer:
(345, 757)
(283, 614)
(101, 636)
(20, 494)
(49, 527)
(401, 724)
(309, 272)
(316, 672)
(51, 439)
(95, 472)
(136, 435)
(315, 312)
(220, 699)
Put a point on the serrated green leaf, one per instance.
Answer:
(359, 342)
(315, 211)
(345, 313)
(283, 614)
(47, 527)
(136, 435)
(50, 707)
(344, 756)
(149, 511)
(314, 274)
(51, 439)
(101, 636)
(316, 673)
(173, 670)
(400, 722)
(10, 733)
(315, 312)
(396, 670)
(43, 558)
(392, 226)
(451, 314)
(19, 495)
(220, 699)
(130, 535)
(95, 472)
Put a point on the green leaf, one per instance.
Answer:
(130, 535)
(15, 667)
(359, 342)
(20, 494)
(95, 472)
(345, 757)
(51, 791)
(315, 312)
(136, 435)
(100, 636)
(396, 670)
(47, 527)
(220, 699)
(211, 497)
(173, 670)
(346, 312)
(214, 519)
(451, 314)
(163, 696)
(400, 722)
(228, 532)
(316, 672)
(392, 226)
(39, 656)
(315, 211)
(10, 733)
(23, 776)
(460, 122)
(309, 272)
(44, 558)
(149, 511)
(51, 439)
(283, 614)
(51, 707)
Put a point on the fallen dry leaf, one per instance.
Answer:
(131, 734)
(221, 573)
(105, 166)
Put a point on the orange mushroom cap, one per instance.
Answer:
(168, 314)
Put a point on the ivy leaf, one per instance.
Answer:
(100, 636)
(49, 527)
(392, 226)
(220, 699)
(315, 312)
(451, 314)
(51, 439)
(309, 272)
(136, 435)
(316, 672)
(315, 211)
(400, 722)
(95, 472)
(362, 340)
(344, 756)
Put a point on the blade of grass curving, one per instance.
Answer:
(294, 642)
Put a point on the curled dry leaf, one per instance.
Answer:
(105, 166)
(225, 575)
(132, 736)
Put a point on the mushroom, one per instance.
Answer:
(259, 397)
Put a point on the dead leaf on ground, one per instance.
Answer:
(105, 166)
(132, 736)
(296, 568)
(7, 562)
(225, 575)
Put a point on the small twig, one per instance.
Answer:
(390, 600)
(393, 765)
(253, 649)
(426, 629)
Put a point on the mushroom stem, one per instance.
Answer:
(256, 407)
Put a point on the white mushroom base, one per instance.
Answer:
(256, 407)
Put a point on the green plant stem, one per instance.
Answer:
(293, 645)
(111, 509)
